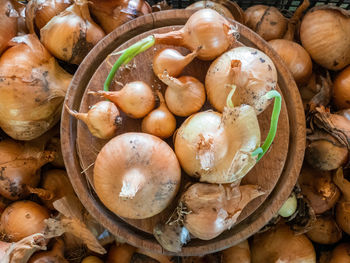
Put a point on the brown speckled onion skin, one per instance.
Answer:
(142, 158)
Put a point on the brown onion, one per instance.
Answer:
(8, 22)
(279, 244)
(32, 89)
(120, 254)
(136, 175)
(92, 259)
(318, 188)
(221, 9)
(40, 12)
(325, 34)
(70, 35)
(325, 231)
(296, 58)
(238, 253)
(341, 90)
(342, 213)
(112, 13)
(23, 218)
(55, 255)
(341, 254)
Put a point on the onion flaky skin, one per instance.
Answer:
(32, 89)
(217, 148)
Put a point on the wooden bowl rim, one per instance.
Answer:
(247, 227)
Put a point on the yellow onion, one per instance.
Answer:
(296, 58)
(221, 9)
(325, 231)
(23, 218)
(238, 253)
(325, 34)
(340, 254)
(112, 13)
(70, 35)
(212, 209)
(8, 22)
(32, 89)
(136, 175)
(318, 188)
(280, 244)
(253, 73)
(40, 12)
(341, 90)
(217, 148)
(120, 254)
(184, 95)
(55, 255)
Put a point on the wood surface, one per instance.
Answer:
(277, 172)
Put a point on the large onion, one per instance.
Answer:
(136, 175)
(8, 22)
(32, 89)
(325, 34)
(325, 231)
(341, 91)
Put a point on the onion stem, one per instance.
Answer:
(273, 126)
(127, 55)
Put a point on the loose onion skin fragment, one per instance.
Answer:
(136, 175)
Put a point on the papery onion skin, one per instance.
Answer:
(341, 253)
(325, 231)
(27, 70)
(238, 253)
(55, 255)
(266, 21)
(341, 90)
(40, 12)
(221, 9)
(279, 244)
(70, 35)
(23, 218)
(325, 34)
(136, 175)
(8, 22)
(296, 58)
(252, 71)
(215, 147)
(112, 13)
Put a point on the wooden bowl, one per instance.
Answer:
(276, 173)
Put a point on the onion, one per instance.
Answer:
(20, 164)
(318, 188)
(112, 13)
(212, 209)
(325, 34)
(289, 207)
(21, 20)
(8, 20)
(27, 70)
(341, 89)
(159, 122)
(279, 244)
(136, 175)
(55, 255)
(40, 12)
(70, 35)
(120, 254)
(102, 119)
(217, 148)
(250, 70)
(341, 253)
(325, 231)
(23, 218)
(135, 99)
(238, 253)
(296, 58)
(184, 95)
(221, 9)
(172, 61)
(91, 259)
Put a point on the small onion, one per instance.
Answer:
(112, 13)
(267, 21)
(250, 70)
(8, 22)
(136, 175)
(184, 95)
(238, 253)
(135, 99)
(341, 253)
(120, 254)
(40, 12)
(279, 244)
(289, 207)
(341, 90)
(55, 255)
(325, 231)
(221, 9)
(325, 34)
(296, 58)
(159, 122)
(318, 188)
(70, 35)
(23, 218)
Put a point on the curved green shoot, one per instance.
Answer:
(229, 102)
